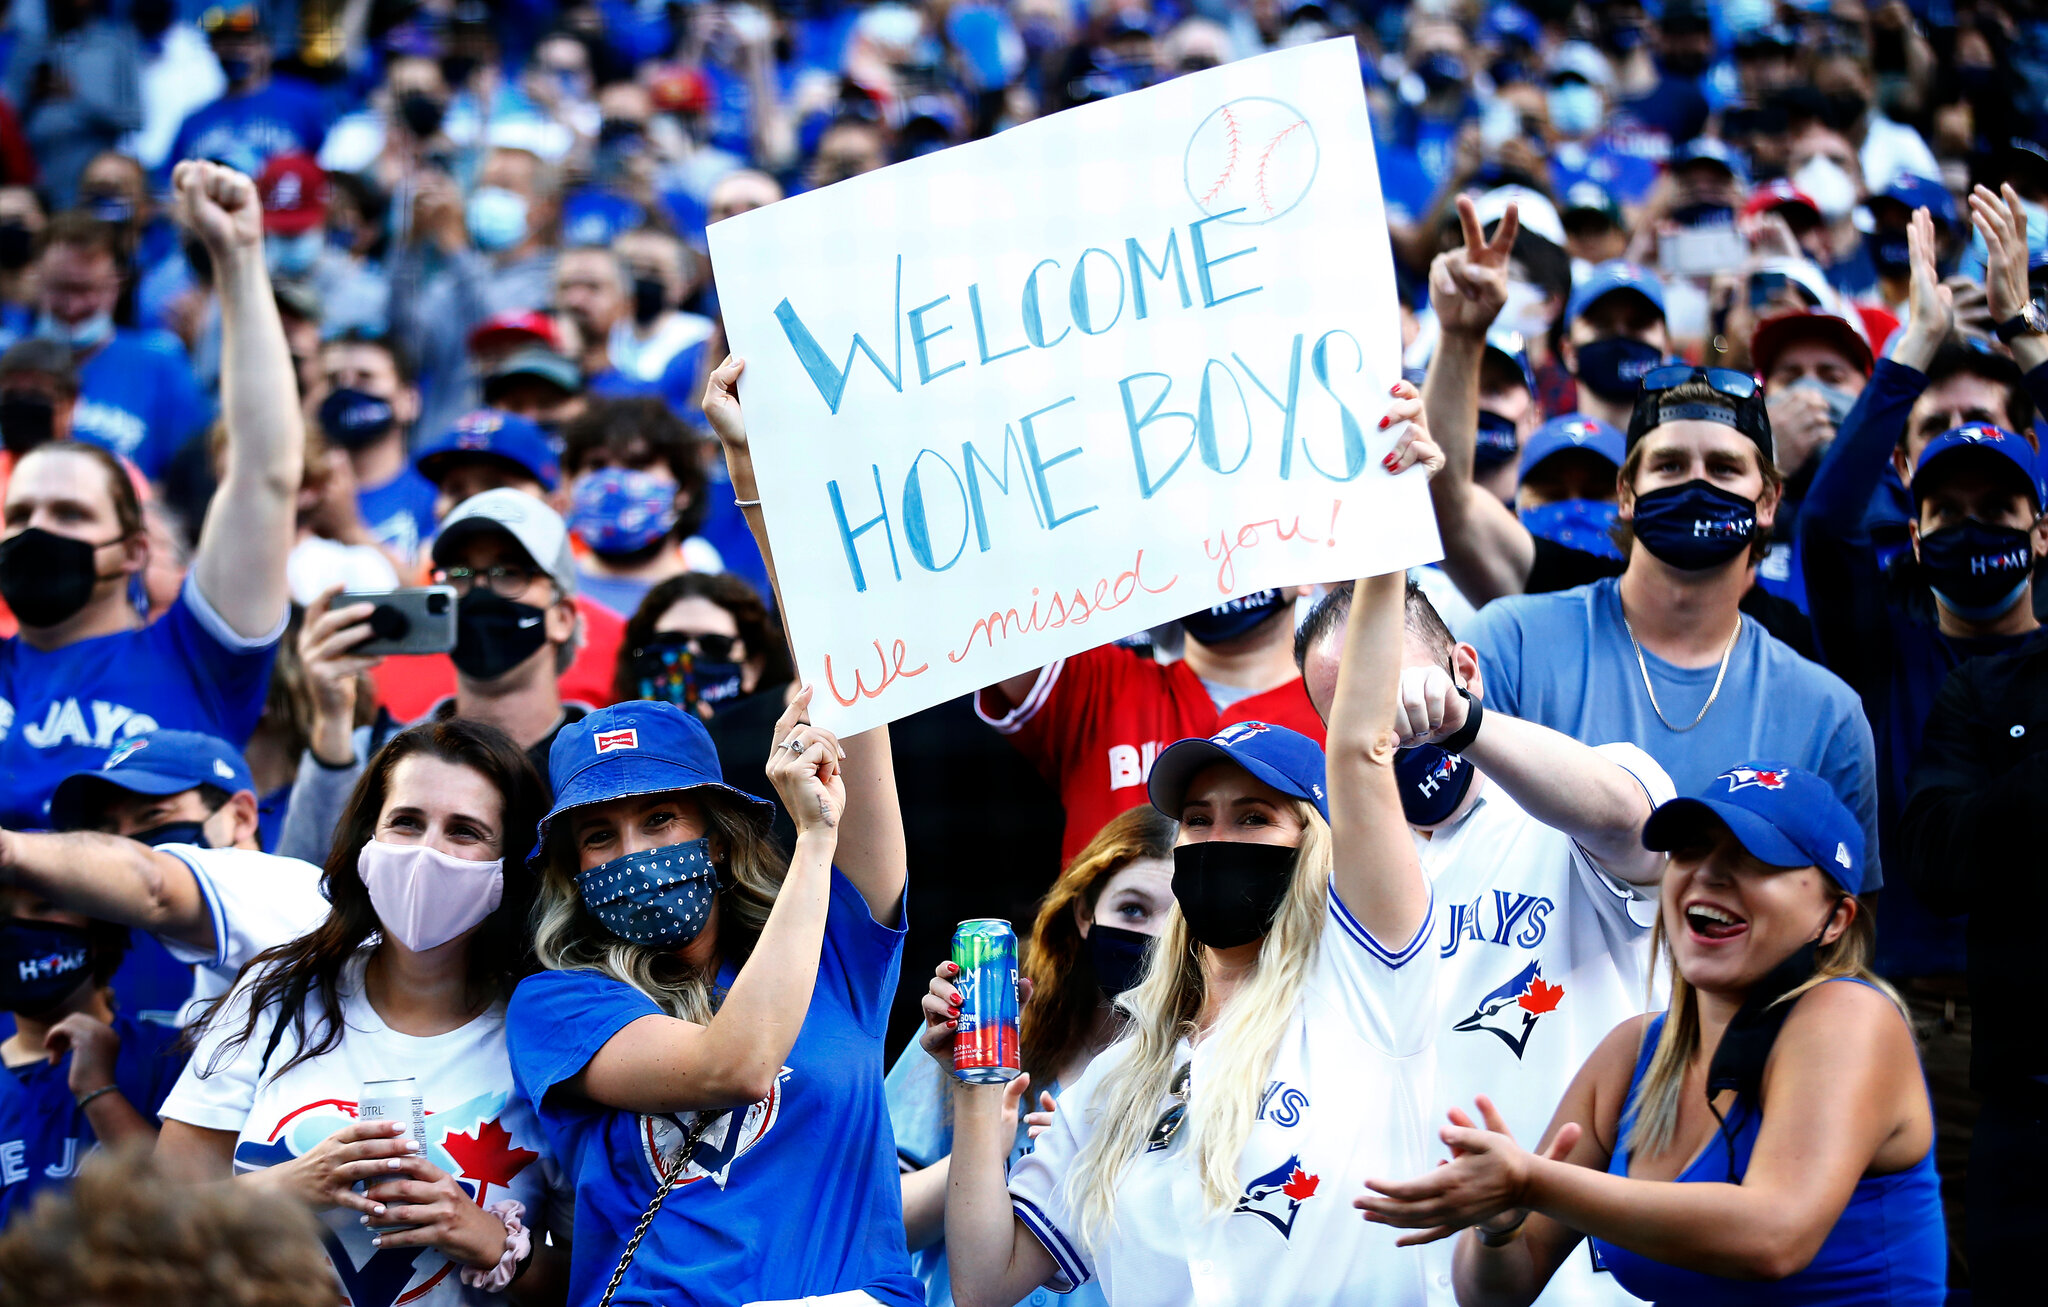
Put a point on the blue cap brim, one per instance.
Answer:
(1180, 762)
(71, 792)
(1672, 823)
(630, 777)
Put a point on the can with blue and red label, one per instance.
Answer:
(985, 1050)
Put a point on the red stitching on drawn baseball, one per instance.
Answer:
(1230, 163)
(1271, 146)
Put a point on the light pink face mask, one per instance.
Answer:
(423, 897)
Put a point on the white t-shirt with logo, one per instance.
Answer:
(257, 901)
(1347, 1097)
(480, 1130)
(1540, 954)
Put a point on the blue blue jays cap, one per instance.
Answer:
(490, 433)
(156, 764)
(1706, 149)
(1920, 193)
(1572, 431)
(1785, 817)
(1287, 760)
(2005, 452)
(1610, 278)
(637, 747)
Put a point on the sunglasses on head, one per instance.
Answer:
(1725, 381)
(1745, 412)
(1168, 1124)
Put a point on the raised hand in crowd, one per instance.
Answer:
(93, 1046)
(2001, 219)
(1486, 1191)
(333, 674)
(1930, 306)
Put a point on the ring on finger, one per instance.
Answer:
(794, 744)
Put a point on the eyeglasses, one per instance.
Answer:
(505, 580)
(1168, 1124)
(711, 648)
(1725, 381)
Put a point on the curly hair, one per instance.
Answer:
(759, 630)
(123, 1234)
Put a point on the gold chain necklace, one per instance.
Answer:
(1644, 667)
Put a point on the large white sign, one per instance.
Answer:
(1024, 397)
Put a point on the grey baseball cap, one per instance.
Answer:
(538, 529)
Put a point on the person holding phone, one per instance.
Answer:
(408, 975)
(506, 556)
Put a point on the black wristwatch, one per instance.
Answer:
(2031, 320)
(1461, 739)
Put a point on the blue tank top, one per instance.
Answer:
(1889, 1249)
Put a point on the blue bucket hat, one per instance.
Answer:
(1287, 760)
(156, 764)
(1784, 816)
(632, 748)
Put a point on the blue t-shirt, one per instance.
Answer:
(138, 397)
(1565, 660)
(44, 1134)
(247, 131)
(400, 513)
(61, 710)
(803, 1195)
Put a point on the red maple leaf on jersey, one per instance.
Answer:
(1300, 1186)
(489, 1158)
(1542, 997)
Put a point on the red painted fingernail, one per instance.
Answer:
(1395, 389)
(1386, 422)
(1387, 462)
(952, 1024)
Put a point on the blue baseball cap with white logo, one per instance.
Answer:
(491, 433)
(2006, 452)
(1612, 278)
(638, 747)
(156, 764)
(1287, 760)
(1572, 431)
(1784, 816)
(1920, 193)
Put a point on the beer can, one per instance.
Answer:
(396, 1099)
(985, 1050)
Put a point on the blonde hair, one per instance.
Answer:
(568, 938)
(1649, 1119)
(1163, 1010)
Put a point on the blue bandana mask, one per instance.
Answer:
(619, 510)
(657, 898)
(1432, 783)
(1579, 524)
(1694, 526)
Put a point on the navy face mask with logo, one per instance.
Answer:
(1614, 366)
(41, 963)
(657, 898)
(1976, 570)
(1432, 783)
(1694, 526)
(1231, 618)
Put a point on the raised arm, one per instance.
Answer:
(664, 1064)
(2001, 219)
(1377, 873)
(1487, 551)
(113, 879)
(872, 852)
(249, 528)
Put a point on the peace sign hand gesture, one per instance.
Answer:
(1468, 287)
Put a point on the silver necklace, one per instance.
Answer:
(1644, 667)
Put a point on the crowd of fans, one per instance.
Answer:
(1725, 330)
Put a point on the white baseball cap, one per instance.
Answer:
(1538, 214)
(538, 529)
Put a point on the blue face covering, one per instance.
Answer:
(1580, 524)
(1978, 571)
(658, 898)
(1614, 366)
(1496, 442)
(1432, 783)
(1694, 526)
(1231, 618)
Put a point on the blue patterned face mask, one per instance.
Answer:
(659, 898)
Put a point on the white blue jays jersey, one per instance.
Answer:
(1540, 955)
(1346, 1098)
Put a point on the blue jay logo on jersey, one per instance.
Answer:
(1276, 1197)
(1511, 1011)
(734, 1133)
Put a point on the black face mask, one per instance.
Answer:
(493, 635)
(17, 245)
(456, 69)
(26, 420)
(421, 113)
(1118, 957)
(1613, 367)
(1230, 891)
(1694, 526)
(41, 964)
(174, 832)
(47, 578)
(650, 300)
(1978, 570)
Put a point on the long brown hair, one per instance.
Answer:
(500, 953)
(1061, 1011)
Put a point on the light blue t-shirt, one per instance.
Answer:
(918, 1113)
(1565, 660)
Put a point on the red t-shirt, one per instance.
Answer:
(411, 684)
(1093, 723)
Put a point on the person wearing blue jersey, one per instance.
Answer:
(1767, 1139)
(137, 394)
(260, 116)
(77, 1073)
(370, 412)
(86, 672)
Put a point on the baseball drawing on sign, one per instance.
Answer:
(1253, 158)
